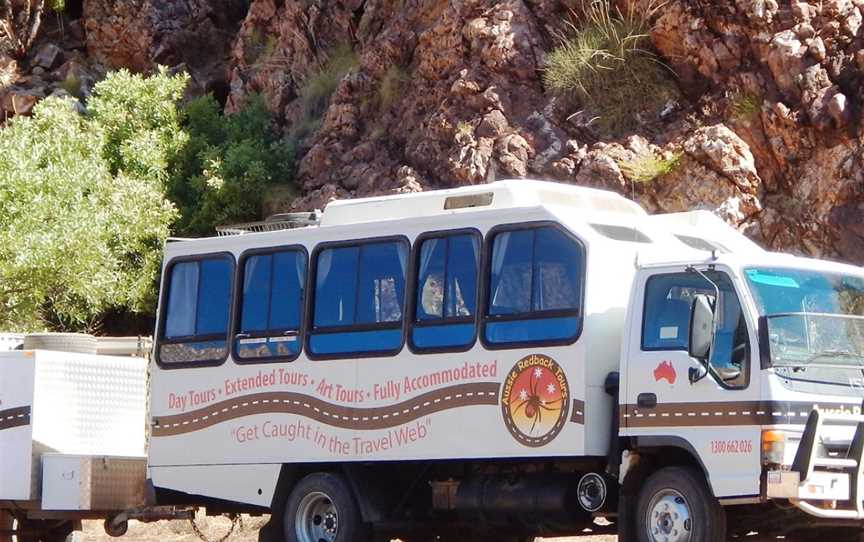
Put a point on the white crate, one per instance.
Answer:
(82, 482)
(69, 404)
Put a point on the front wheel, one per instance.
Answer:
(676, 505)
(321, 508)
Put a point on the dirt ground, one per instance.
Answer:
(216, 528)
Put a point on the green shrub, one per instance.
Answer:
(227, 165)
(648, 167)
(140, 121)
(76, 238)
(605, 65)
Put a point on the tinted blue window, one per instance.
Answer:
(463, 266)
(289, 276)
(512, 256)
(352, 342)
(525, 331)
(666, 324)
(447, 277)
(214, 296)
(182, 300)
(336, 286)
(535, 274)
(197, 311)
(430, 286)
(359, 286)
(443, 336)
(272, 304)
(256, 293)
(557, 264)
(272, 291)
(381, 283)
(446, 290)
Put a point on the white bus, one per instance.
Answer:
(507, 361)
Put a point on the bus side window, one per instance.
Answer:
(446, 292)
(535, 288)
(195, 329)
(271, 306)
(359, 299)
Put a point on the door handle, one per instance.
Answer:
(646, 400)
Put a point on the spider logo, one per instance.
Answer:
(535, 400)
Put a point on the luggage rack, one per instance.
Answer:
(810, 464)
(277, 222)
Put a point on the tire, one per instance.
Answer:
(63, 342)
(322, 508)
(676, 505)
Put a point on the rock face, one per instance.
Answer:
(137, 34)
(767, 133)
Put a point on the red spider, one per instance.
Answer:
(534, 406)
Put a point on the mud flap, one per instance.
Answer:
(626, 520)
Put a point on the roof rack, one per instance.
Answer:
(277, 222)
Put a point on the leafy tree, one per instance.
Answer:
(76, 237)
(223, 172)
(87, 201)
(141, 121)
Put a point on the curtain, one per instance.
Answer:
(499, 253)
(182, 300)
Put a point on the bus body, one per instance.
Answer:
(514, 358)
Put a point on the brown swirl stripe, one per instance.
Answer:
(485, 393)
(14, 417)
(577, 413)
(714, 414)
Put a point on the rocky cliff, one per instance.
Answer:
(764, 128)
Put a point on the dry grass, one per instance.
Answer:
(605, 64)
(648, 167)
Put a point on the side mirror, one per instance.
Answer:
(701, 328)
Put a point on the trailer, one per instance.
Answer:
(72, 440)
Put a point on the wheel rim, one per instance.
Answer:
(317, 519)
(668, 517)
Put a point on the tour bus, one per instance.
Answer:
(505, 361)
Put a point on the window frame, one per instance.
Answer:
(238, 304)
(309, 324)
(163, 313)
(411, 308)
(485, 318)
(750, 336)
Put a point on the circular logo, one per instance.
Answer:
(535, 400)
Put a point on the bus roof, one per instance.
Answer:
(497, 195)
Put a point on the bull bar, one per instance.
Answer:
(813, 466)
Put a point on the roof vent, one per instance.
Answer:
(471, 200)
(277, 222)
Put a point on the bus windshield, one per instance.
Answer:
(813, 318)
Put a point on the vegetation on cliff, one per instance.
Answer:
(87, 201)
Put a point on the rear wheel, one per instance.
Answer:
(676, 505)
(322, 508)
